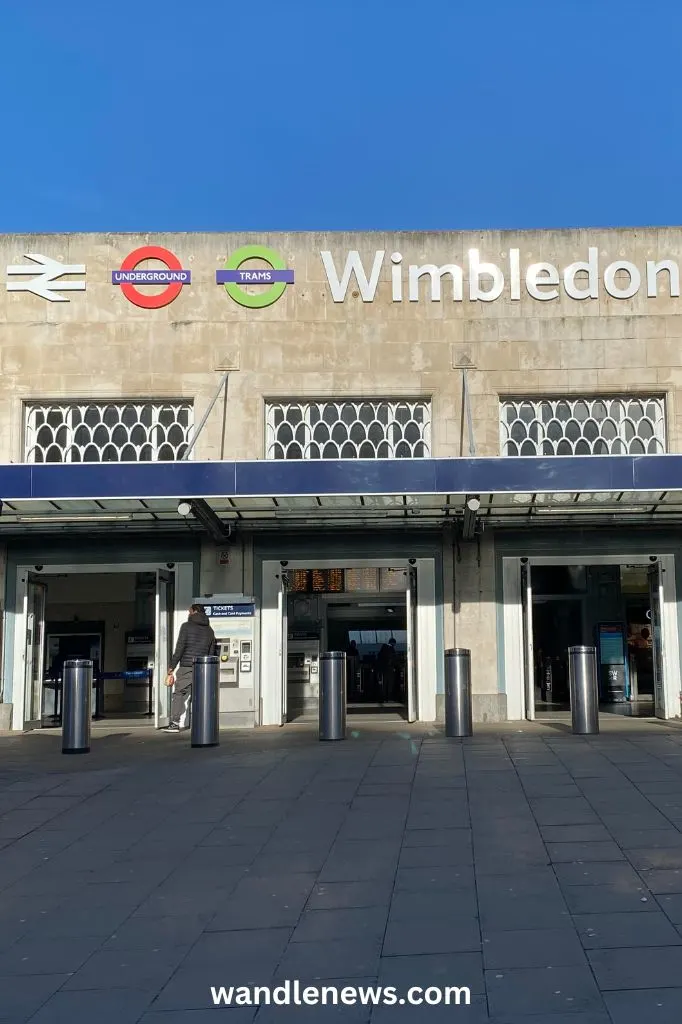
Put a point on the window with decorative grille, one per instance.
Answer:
(590, 425)
(363, 428)
(133, 431)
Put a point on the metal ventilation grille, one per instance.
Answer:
(107, 431)
(596, 425)
(349, 429)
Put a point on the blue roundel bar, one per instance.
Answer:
(345, 477)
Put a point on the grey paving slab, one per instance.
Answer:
(302, 862)
(41, 955)
(663, 881)
(253, 836)
(340, 895)
(355, 1013)
(640, 967)
(658, 1006)
(341, 958)
(145, 970)
(231, 954)
(591, 1017)
(596, 873)
(234, 1015)
(563, 811)
(609, 899)
(671, 905)
(325, 925)
(648, 839)
(123, 1007)
(575, 833)
(149, 932)
(437, 837)
(443, 877)
(604, 931)
(454, 903)
(264, 903)
(422, 935)
(543, 991)
(569, 853)
(541, 947)
(22, 996)
(456, 854)
(652, 858)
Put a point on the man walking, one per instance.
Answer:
(195, 640)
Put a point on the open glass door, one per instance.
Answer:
(34, 660)
(282, 640)
(163, 645)
(655, 573)
(411, 609)
(528, 652)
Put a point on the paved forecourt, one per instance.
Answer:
(540, 870)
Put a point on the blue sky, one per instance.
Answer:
(370, 114)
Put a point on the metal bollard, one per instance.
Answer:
(333, 695)
(205, 709)
(582, 679)
(458, 708)
(76, 706)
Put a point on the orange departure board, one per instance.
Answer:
(299, 581)
(335, 581)
(317, 581)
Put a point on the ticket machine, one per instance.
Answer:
(233, 618)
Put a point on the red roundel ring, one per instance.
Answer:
(151, 252)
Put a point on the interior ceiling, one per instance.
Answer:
(498, 509)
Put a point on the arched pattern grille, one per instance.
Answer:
(606, 425)
(367, 428)
(107, 431)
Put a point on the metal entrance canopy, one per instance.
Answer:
(512, 491)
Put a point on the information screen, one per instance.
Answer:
(299, 581)
(340, 581)
(392, 579)
(335, 581)
(362, 579)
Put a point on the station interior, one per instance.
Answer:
(108, 618)
(362, 612)
(605, 606)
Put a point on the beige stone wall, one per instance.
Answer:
(99, 345)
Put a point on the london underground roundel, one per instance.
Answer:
(129, 277)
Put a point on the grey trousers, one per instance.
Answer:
(182, 697)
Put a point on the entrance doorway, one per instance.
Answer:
(123, 618)
(375, 639)
(624, 607)
(382, 615)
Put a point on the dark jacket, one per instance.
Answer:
(195, 639)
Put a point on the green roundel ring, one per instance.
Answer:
(261, 299)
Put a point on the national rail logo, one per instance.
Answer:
(128, 277)
(275, 274)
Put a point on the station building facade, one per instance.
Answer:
(390, 444)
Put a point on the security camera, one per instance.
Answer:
(653, 558)
(283, 563)
(412, 561)
(38, 568)
(524, 561)
(170, 565)
(184, 509)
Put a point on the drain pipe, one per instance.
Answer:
(223, 384)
